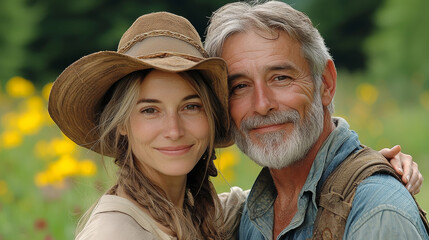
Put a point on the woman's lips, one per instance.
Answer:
(175, 150)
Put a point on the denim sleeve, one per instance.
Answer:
(384, 209)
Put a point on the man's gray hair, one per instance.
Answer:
(268, 16)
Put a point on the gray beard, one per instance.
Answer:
(278, 149)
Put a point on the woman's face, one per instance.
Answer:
(169, 127)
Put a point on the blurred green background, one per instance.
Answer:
(46, 182)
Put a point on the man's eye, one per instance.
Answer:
(237, 87)
(282, 78)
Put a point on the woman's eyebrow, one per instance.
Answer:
(191, 97)
(152, 100)
(148, 100)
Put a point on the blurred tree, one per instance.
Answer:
(18, 22)
(398, 51)
(48, 35)
(344, 24)
(71, 29)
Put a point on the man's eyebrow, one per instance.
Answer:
(274, 67)
(284, 66)
(234, 76)
(151, 100)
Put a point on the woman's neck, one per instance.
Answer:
(174, 188)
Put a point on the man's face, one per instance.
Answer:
(273, 105)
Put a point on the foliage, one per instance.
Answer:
(344, 25)
(48, 35)
(398, 50)
(18, 24)
(41, 37)
(381, 120)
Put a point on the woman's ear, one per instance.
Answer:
(329, 83)
(123, 130)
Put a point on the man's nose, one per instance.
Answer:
(264, 99)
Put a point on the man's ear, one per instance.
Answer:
(329, 83)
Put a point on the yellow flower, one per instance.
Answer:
(19, 87)
(87, 168)
(61, 146)
(41, 179)
(225, 162)
(65, 166)
(10, 139)
(367, 93)
(30, 122)
(3, 188)
(46, 90)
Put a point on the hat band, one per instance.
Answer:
(156, 44)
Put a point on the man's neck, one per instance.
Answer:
(290, 180)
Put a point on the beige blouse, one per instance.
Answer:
(116, 218)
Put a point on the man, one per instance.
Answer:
(282, 83)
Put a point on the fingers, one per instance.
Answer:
(394, 156)
(416, 179)
(397, 166)
(390, 152)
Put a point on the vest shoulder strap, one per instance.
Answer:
(336, 197)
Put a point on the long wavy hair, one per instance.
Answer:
(201, 216)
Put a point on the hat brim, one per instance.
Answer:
(77, 94)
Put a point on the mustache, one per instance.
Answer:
(273, 118)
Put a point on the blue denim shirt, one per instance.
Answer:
(379, 199)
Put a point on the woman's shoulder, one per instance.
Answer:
(113, 225)
(232, 206)
(236, 196)
(118, 218)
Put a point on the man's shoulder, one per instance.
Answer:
(380, 205)
(383, 189)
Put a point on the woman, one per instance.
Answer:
(158, 106)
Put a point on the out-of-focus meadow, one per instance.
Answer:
(47, 182)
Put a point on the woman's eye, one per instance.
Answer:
(192, 107)
(149, 110)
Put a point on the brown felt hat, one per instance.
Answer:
(162, 41)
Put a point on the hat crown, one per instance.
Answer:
(161, 24)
